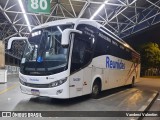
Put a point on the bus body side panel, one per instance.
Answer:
(121, 71)
(80, 83)
(87, 80)
(99, 71)
(113, 75)
(120, 76)
(115, 72)
(76, 84)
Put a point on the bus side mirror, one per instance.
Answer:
(16, 38)
(65, 36)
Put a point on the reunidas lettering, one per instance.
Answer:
(114, 64)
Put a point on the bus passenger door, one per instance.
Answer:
(81, 58)
(76, 84)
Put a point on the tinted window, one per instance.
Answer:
(120, 51)
(102, 46)
(105, 45)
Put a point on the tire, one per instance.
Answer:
(133, 82)
(96, 89)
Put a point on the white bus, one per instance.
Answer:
(74, 57)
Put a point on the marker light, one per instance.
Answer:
(59, 29)
(99, 9)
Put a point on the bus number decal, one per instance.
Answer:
(76, 79)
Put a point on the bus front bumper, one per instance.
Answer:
(56, 92)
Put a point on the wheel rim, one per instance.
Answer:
(95, 89)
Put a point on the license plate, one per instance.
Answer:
(35, 92)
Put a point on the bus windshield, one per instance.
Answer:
(46, 55)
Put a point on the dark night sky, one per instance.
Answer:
(151, 34)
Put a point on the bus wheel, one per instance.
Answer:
(96, 88)
(133, 82)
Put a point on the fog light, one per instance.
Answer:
(59, 91)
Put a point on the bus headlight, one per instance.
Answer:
(58, 82)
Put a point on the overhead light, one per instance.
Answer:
(24, 14)
(99, 9)
(59, 29)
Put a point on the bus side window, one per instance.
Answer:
(102, 46)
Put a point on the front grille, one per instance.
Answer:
(36, 85)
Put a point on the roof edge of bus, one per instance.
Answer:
(77, 20)
(58, 22)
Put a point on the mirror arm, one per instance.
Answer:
(65, 35)
(77, 31)
(17, 38)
